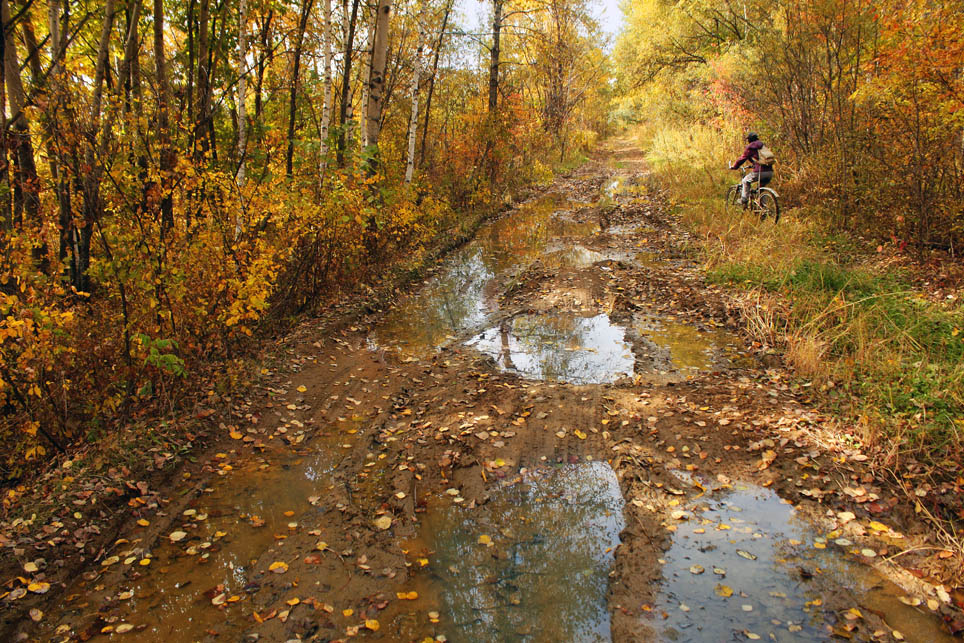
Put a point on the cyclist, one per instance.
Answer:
(761, 173)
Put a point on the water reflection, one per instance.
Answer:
(461, 295)
(559, 347)
(759, 572)
(546, 575)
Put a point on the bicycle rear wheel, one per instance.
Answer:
(733, 199)
(769, 205)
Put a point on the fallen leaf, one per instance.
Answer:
(278, 567)
(38, 588)
(372, 624)
(723, 590)
(383, 522)
(177, 536)
(485, 540)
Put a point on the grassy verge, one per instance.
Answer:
(846, 316)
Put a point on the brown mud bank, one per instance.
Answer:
(561, 435)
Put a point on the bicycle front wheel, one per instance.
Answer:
(733, 199)
(769, 205)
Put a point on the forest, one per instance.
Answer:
(180, 176)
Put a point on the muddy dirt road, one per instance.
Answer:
(561, 435)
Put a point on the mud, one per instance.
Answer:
(536, 444)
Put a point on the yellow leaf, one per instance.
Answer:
(372, 624)
(143, 523)
(723, 590)
(485, 540)
(348, 612)
(293, 601)
(580, 434)
(302, 388)
(383, 522)
(278, 567)
(236, 435)
(407, 596)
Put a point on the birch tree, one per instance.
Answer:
(419, 67)
(326, 38)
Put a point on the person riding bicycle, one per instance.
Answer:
(761, 173)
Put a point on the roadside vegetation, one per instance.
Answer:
(858, 283)
(181, 177)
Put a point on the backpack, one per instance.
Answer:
(766, 156)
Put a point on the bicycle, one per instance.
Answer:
(764, 202)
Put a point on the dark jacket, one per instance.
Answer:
(752, 153)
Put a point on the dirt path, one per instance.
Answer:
(561, 436)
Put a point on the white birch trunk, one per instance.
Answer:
(413, 122)
(326, 111)
(242, 91)
(363, 124)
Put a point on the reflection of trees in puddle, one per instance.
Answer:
(451, 302)
(546, 577)
(559, 347)
(455, 300)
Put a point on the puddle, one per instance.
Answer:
(461, 295)
(546, 575)
(767, 553)
(689, 349)
(578, 256)
(559, 347)
(243, 514)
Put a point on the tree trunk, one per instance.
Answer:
(242, 90)
(431, 82)
(59, 178)
(203, 79)
(6, 205)
(494, 56)
(326, 36)
(376, 83)
(90, 181)
(262, 63)
(363, 125)
(346, 83)
(166, 154)
(413, 120)
(25, 174)
(293, 96)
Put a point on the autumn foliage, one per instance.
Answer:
(159, 215)
(863, 101)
